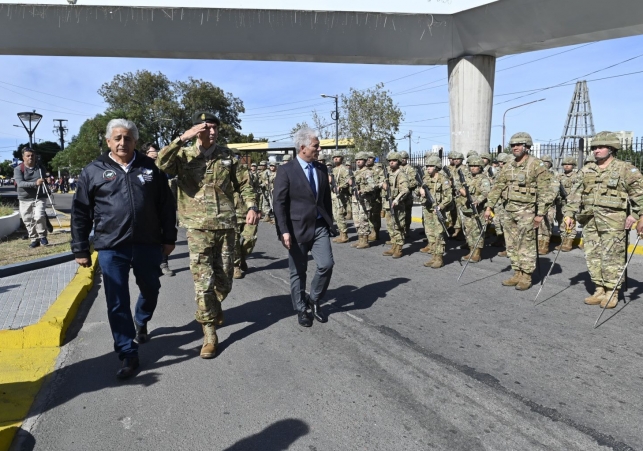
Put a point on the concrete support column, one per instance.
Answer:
(471, 81)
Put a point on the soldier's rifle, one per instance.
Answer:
(355, 191)
(542, 282)
(333, 183)
(463, 182)
(627, 263)
(475, 246)
(389, 197)
(430, 203)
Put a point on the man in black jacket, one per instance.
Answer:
(127, 200)
(303, 214)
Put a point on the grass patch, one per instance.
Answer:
(14, 249)
(6, 210)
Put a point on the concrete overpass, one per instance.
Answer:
(465, 35)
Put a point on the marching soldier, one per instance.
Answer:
(208, 177)
(365, 182)
(566, 180)
(408, 200)
(546, 227)
(245, 235)
(375, 216)
(529, 195)
(341, 198)
(398, 185)
(457, 158)
(267, 184)
(488, 168)
(479, 186)
(607, 190)
(264, 206)
(500, 218)
(442, 193)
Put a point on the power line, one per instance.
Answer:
(52, 95)
(38, 100)
(288, 109)
(281, 104)
(545, 57)
(44, 109)
(425, 120)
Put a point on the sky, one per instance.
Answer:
(277, 95)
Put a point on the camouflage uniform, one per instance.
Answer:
(605, 196)
(375, 214)
(567, 181)
(395, 221)
(365, 181)
(441, 190)
(528, 186)
(456, 216)
(341, 201)
(408, 200)
(500, 217)
(206, 183)
(479, 187)
(267, 184)
(546, 226)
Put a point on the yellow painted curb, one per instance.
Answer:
(50, 330)
(28, 355)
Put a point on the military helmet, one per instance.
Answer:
(370, 154)
(393, 156)
(361, 156)
(433, 160)
(263, 163)
(287, 157)
(486, 155)
(547, 158)
(475, 160)
(590, 158)
(521, 138)
(337, 154)
(570, 160)
(457, 155)
(608, 139)
(253, 164)
(450, 155)
(472, 153)
(272, 163)
(502, 157)
(404, 155)
(428, 154)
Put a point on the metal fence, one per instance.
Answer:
(631, 151)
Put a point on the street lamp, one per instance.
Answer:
(513, 108)
(336, 118)
(30, 122)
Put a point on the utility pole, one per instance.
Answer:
(579, 123)
(408, 135)
(335, 117)
(61, 130)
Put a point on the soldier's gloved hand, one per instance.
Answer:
(629, 222)
(488, 214)
(569, 223)
(422, 193)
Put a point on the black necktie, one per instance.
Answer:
(311, 180)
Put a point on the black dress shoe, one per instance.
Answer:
(141, 334)
(316, 309)
(128, 369)
(304, 319)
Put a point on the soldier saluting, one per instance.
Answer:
(208, 176)
(607, 190)
(528, 196)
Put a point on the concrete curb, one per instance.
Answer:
(18, 268)
(29, 354)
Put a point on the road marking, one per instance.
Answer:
(356, 318)
(279, 278)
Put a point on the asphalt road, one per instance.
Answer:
(409, 360)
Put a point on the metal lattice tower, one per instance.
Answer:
(580, 122)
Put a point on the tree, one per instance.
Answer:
(370, 118)
(163, 109)
(6, 169)
(298, 127)
(325, 129)
(45, 150)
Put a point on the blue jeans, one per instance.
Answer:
(115, 264)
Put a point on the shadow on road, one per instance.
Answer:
(350, 297)
(276, 437)
(23, 441)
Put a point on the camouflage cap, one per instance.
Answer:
(607, 139)
(393, 156)
(547, 159)
(204, 116)
(475, 160)
(263, 163)
(570, 160)
(457, 155)
(433, 160)
(521, 138)
(404, 155)
(486, 155)
(361, 156)
(472, 153)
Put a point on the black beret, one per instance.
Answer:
(204, 116)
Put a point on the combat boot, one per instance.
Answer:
(428, 249)
(210, 341)
(398, 251)
(266, 219)
(390, 251)
(502, 254)
(597, 297)
(567, 244)
(362, 243)
(513, 281)
(524, 283)
(355, 243)
(606, 296)
(237, 274)
(436, 262)
(373, 236)
(342, 238)
(474, 257)
(543, 246)
(389, 243)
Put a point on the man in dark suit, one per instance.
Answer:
(303, 215)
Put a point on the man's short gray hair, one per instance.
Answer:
(121, 123)
(303, 137)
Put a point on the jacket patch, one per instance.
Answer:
(109, 175)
